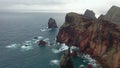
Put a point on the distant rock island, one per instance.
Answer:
(52, 23)
(99, 38)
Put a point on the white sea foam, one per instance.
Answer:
(63, 47)
(40, 37)
(46, 39)
(49, 29)
(81, 66)
(13, 46)
(28, 41)
(26, 47)
(46, 27)
(36, 41)
(90, 60)
(55, 51)
(54, 62)
(42, 30)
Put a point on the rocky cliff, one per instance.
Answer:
(99, 38)
(113, 15)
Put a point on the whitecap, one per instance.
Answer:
(28, 41)
(36, 41)
(94, 65)
(81, 66)
(55, 51)
(46, 39)
(74, 48)
(43, 30)
(54, 62)
(63, 47)
(46, 27)
(84, 61)
(49, 29)
(58, 43)
(26, 47)
(40, 37)
(13, 46)
(90, 60)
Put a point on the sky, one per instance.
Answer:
(79, 6)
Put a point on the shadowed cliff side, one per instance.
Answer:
(99, 38)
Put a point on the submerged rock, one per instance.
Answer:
(41, 42)
(52, 23)
(99, 38)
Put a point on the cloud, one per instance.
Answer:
(98, 6)
(31, 2)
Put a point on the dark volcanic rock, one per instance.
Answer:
(99, 38)
(101, 17)
(66, 61)
(89, 14)
(41, 42)
(52, 23)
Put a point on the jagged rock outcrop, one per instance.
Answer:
(89, 14)
(66, 61)
(99, 38)
(52, 23)
(42, 43)
(101, 17)
(113, 15)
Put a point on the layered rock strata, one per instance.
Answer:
(99, 38)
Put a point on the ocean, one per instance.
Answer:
(18, 29)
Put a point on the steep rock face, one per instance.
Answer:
(99, 38)
(113, 15)
(52, 23)
(101, 17)
(66, 61)
(89, 14)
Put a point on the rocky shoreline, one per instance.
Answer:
(99, 38)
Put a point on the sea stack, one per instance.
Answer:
(98, 38)
(52, 23)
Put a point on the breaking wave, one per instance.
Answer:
(54, 62)
(25, 48)
(13, 46)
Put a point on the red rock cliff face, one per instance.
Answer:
(100, 39)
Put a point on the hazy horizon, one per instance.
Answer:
(58, 6)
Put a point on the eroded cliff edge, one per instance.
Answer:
(99, 38)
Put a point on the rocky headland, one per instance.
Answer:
(99, 38)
